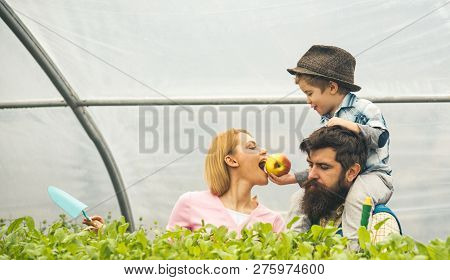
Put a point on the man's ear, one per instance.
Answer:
(231, 161)
(352, 172)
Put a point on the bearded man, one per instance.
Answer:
(336, 157)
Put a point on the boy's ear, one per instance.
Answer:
(231, 161)
(334, 87)
(352, 172)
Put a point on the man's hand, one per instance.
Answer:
(344, 123)
(283, 180)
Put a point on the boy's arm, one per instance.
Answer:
(375, 137)
(297, 177)
(344, 123)
(370, 123)
(372, 126)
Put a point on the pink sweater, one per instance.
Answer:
(192, 207)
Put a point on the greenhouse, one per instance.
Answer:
(117, 102)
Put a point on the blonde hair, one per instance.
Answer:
(216, 171)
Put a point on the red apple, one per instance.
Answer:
(278, 164)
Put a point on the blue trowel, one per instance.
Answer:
(72, 206)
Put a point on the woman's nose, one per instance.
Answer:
(263, 151)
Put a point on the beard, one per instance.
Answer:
(320, 201)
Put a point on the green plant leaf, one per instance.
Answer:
(20, 240)
(363, 237)
(380, 224)
(15, 225)
(293, 221)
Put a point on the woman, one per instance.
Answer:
(233, 166)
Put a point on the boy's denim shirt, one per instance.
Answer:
(372, 126)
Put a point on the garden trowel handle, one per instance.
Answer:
(86, 216)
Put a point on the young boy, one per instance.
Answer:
(326, 75)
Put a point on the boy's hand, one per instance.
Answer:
(344, 123)
(283, 180)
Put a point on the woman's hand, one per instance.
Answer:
(283, 180)
(95, 224)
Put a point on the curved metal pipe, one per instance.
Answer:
(72, 100)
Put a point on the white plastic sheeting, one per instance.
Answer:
(237, 47)
(48, 147)
(128, 49)
(21, 65)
